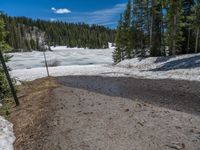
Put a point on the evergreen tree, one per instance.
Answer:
(196, 23)
(124, 47)
(161, 27)
(187, 29)
(156, 27)
(119, 50)
(174, 26)
(4, 88)
(128, 47)
(138, 22)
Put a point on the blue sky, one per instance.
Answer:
(103, 12)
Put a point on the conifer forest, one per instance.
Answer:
(158, 28)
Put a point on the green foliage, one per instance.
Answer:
(195, 18)
(117, 54)
(5, 109)
(4, 88)
(156, 27)
(123, 37)
(174, 26)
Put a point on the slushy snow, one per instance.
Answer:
(7, 137)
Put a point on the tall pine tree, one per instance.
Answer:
(124, 47)
(174, 26)
(196, 23)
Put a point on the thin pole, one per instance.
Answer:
(45, 59)
(9, 79)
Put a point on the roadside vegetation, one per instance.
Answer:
(4, 87)
(5, 94)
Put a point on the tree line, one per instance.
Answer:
(158, 28)
(29, 34)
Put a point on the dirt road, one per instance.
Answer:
(96, 113)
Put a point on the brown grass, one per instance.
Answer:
(34, 99)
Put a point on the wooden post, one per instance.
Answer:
(9, 79)
(45, 59)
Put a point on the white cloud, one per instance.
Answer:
(118, 8)
(53, 19)
(61, 10)
(107, 17)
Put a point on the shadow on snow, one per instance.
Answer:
(184, 63)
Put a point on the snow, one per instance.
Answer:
(64, 57)
(110, 46)
(185, 67)
(58, 48)
(7, 137)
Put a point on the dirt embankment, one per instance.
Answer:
(93, 113)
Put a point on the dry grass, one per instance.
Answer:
(34, 97)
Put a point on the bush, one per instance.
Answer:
(4, 88)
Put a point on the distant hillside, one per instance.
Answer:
(28, 34)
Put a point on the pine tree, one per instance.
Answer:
(187, 29)
(4, 88)
(174, 26)
(196, 23)
(128, 47)
(156, 27)
(118, 52)
(139, 21)
(124, 47)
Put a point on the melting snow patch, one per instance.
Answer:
(7, 137)
(184, 67)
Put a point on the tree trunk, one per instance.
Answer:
(174, 37)
(197, 39)
(188, 42)
(148, 22)
(162, 33)
(13, 91)
(151, 32)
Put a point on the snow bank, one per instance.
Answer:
(32, 74)
(185, 67)
(111, 46)
(178, 62)
(7, 137)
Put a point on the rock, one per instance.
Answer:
(127, 110)
(177, 146)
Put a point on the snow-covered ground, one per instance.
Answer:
(62, 56)
(186, 67)
(7, 137)
(55, 48)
